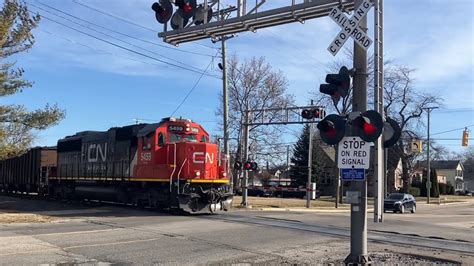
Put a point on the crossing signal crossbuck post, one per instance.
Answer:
(338, 84)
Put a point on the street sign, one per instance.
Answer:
(353, 152)
(353, 174)
(350, 28)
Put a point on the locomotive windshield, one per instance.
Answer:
(186, 138)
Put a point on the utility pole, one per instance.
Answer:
(358, 253)
(428, 178)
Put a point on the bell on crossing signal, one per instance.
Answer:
(250, 166)
(237, 165)
(313, 113)
(200, 13)
(369, 125)
(332, 129)
(338, 84)
(163, 10)
(186, 8)
(465, 137)
(391, 132)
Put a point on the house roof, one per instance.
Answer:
(442, 164)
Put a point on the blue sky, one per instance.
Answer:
(101, 85)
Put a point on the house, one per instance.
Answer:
(448, 171)
(394, 170)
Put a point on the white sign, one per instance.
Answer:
(350, 28)
(353, 152)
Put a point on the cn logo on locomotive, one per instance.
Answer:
(200, 157)
(93, 152)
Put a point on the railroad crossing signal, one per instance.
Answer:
(313, 113)
(369, 125)
(332, 129)
(163, 11)
(350, 28)
(391, 132)
(250, 166)
(465, 137)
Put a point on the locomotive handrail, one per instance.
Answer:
(174, 168)
(179, 172)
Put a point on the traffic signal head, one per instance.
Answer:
(332, 129)
(250, 166)
(465, 137)
(391, 132)
(187, 8)
(313, 113)
(338, 84)
(163, 10)
(369, 125)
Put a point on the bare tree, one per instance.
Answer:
(254, 85)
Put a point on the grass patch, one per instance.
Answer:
(9, 218)
(261, 202)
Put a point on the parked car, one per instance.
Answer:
(400, 202)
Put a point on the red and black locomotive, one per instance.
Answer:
(171, 164)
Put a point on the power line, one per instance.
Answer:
(95, 49)
(128, 49)
(125, 20)
(114, 31)
(115, 38)
(456, 129)
(192, 89)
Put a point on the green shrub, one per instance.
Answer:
(414, 191)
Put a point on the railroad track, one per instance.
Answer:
(378, 236)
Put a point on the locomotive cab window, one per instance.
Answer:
(161, 139)
(146, 140)
(203, 139)
(185, 138)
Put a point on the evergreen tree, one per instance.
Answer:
(299, 168)
(17, 124)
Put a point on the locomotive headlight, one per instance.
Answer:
(197, 173)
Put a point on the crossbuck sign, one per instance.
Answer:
(350, 27)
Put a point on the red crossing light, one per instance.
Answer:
(332, 129)
(369, 125)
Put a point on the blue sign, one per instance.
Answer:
(353, 174)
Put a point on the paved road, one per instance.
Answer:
(108, 234)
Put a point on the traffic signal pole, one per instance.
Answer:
(358, 253)
(246, 158)
(379, 170)
(226, 109)
(310, 165)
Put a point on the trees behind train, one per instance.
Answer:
(17, 123)
(254, 84)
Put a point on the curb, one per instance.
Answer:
(346, 210)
